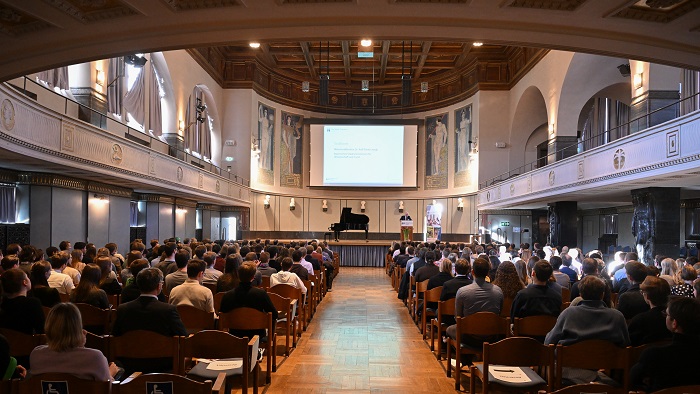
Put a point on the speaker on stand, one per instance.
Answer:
(405, 90)
(323, 90)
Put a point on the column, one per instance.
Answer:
(562, 216)
(656, 222)
(654, 87)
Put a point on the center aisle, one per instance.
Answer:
(361, 339)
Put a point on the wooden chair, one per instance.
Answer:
(588, 388)
(139, 383)
(421, 288)
(114, 300)
(292, 292)
(310, 299)
(445, 308)
(507, 305)
(336, 264)
(565, 294)
(480, 324)
(432, 295)
(99, 342)
(265, 282)
(411, 294)
(140, 345)
(253, 319)
(213, 344)
(64, 297)
(211, 286)
(593, 354)
(286, 319)
(565, 305)
(61, 383)
(516, 352)
(217, 300)
(196, 319)
(21, 344)
(96, 320)
(533, 326)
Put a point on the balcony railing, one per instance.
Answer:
(115, 126)
(637, 124)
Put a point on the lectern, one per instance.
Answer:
(407, 230)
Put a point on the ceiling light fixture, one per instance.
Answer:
(478, 44)
(366, 42)
(254, 45)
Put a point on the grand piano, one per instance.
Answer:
(350, 221)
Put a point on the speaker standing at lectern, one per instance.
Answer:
(406, 216)
(406, 227)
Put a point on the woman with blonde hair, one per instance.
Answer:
(65, 351)
(669, 267)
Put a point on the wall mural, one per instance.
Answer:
(263, 142)
(463, 134)
(290, 155)
(436, 151)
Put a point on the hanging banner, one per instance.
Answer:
(433, 227)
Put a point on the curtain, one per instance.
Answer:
(115, 91)
(198, 135)
(587, 130)
(55, 78)
(155, 114)
(361, 256)
(690, 87)
(135, 100)
(7, 204)
(622, 118)
(134, 214)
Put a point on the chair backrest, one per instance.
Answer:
(142, 344)
(446, 308)
(99, 342)
(433, 295)
(163, 382)
(288, 291)
(506, 307)
(217, 300)
(214, 344)
(114, 300)
(95, 320)
(593, 354)
(533, 326)
(282, 304)
(246, 319)
(482, 324)
(22, 344)
(61, 383)
(588, 388)
(421, 286)
(520, 352)
(678, 390)
(565, 294)
(211, 286)
(265, 282)
(196, 319)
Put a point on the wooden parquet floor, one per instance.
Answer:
(361, 340)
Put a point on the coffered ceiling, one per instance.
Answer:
(40, 34)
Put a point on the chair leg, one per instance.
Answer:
(449, 358)
(472, 381)
(274, 355)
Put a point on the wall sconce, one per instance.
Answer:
(325, 206)
(638, 80)
(460, 204)
(292, 204)
(101, 198)
(401, 206)
(305, 86)
(424, 87)
(266, 202)
(362, 206)
(550, 128)
(100, 77)
(180, 210)
(181, 125)
(475, 146)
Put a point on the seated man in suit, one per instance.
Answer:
(147, 313)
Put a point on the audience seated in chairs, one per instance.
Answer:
(178, 277)
(58, 280)
(632, 303)
(87, 291)
(65, 351)
(650, 326)
(589, 266)
(285, 277)
(229, 280)
(541, 297)
(191, 292)
(48, 296)
(674, 364)
(211, 274)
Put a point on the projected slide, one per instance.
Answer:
(359, 155)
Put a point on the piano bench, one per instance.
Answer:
(327, 237)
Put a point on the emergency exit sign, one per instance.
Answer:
(505, 224)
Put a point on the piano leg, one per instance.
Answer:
(337, 235)
(366, 233)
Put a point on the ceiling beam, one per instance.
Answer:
(384, 60)
(309, 60)
(267, 57)
(425, 49)
(466, 48)
(346, 61)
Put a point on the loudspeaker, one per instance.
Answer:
(405, 90)
(323, 90)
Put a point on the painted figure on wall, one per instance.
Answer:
(437, 137)
(291, 138)
(464, 135)
(266, 131)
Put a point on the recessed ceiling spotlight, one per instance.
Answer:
(478, 44)
(254, 45)
(366, 42)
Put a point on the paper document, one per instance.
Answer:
(222, 365)
(508, 374)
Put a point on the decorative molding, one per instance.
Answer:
(638, 11)
(93, 11)
(520, 212)
(189, 5)
(109, 189)
(14, 22)
(38, 179)
(186, 203)
(7, 176)
(554, 5)
(154, 198)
